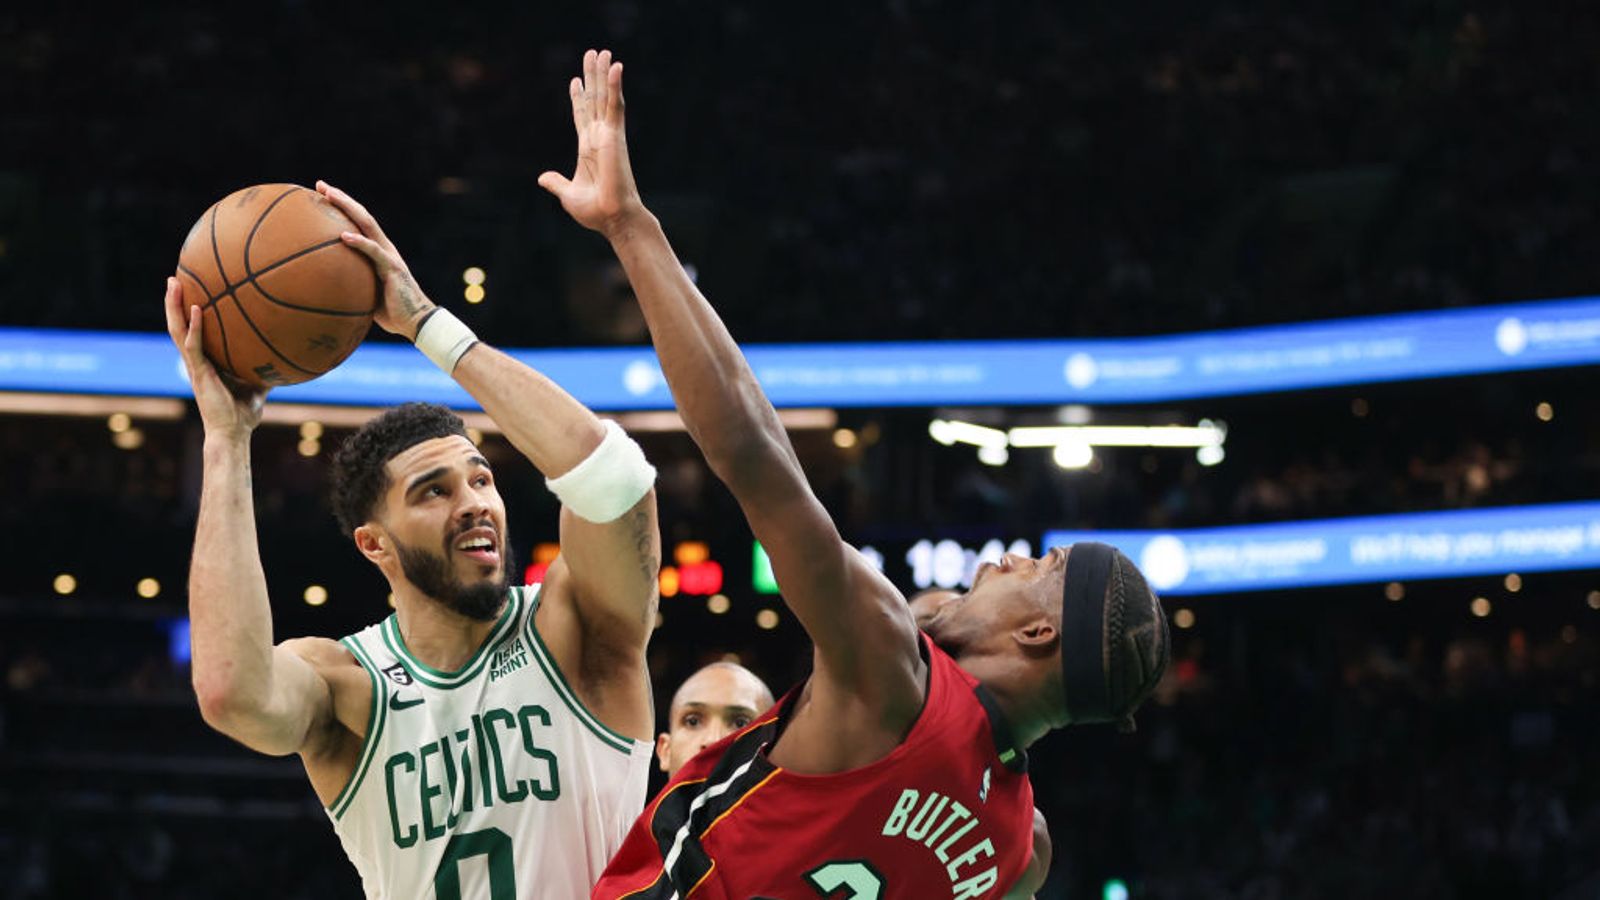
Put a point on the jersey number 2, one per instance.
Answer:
(490, 842)
(854, 875)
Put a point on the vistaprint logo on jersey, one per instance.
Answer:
(508, 659)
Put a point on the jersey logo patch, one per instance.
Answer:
(397, 673)
(507, 660)
(983, 792)
(396, 704)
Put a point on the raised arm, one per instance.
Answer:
(599, 601)
(268, 698)
(866, 641)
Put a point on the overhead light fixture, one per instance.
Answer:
(954, 431)
(1073, 445)
(991, 455)
(1074, 414)
(1205, 434)
(1073, 454)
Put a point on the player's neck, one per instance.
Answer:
(1016, 687)
(435, 634)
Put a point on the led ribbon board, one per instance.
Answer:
(1123, 370)
(1370, 548)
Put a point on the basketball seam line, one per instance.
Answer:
(216, 253)
(266, 343)
(251, 274)
(317, 310)
(222, 330)
(251, 237)
(238, 304)
(251, 281)
(230, 290)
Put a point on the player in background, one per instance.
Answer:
(485, 741)
(898, 768)
(711, 704)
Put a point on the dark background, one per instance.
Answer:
(849, 172)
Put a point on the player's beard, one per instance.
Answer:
(431, 573)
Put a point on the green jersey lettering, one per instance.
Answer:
(551, 789)
(430, 828)
(410, 763)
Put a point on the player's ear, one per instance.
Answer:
(663, 747)
(373, 543)
(1039, 635)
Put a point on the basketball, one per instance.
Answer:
(283, 300)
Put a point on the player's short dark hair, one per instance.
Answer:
(1138, 646)
(359, 478)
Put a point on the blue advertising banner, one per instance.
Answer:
(1121, 370)
(1372, 548)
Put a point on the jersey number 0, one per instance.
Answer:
(490, 842)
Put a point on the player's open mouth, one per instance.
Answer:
(984, 569)
(479, 545)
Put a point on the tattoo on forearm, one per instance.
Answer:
(644, 542)
(410, 296)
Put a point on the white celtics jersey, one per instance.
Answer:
(492, 782)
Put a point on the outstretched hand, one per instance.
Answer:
(404, 304)
(601, 194)
(227, 407)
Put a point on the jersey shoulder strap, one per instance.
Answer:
(377, 718)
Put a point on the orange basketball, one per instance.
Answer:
(283, 300)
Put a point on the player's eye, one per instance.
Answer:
(433, 490)
(740, 721)
(691, 721)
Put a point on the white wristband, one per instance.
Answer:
(609, 481)
(444, 339)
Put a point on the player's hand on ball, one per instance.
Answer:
(404, 303)
(227, 406)
(601, 194)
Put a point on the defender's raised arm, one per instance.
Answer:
(866, 640)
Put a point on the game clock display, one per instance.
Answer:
(916, 562)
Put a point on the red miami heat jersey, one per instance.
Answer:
(948, 813)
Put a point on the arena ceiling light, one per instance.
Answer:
(950, 431)
(1073, 445)
(1205, 434)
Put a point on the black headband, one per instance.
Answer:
(1083, 603)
